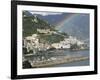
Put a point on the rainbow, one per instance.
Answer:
(66, 19)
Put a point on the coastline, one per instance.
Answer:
(65, 59)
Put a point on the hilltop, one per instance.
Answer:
(32, 24)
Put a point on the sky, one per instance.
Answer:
(45, 13)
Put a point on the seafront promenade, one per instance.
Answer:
(60, 60)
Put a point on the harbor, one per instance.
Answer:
(58, 61)
(59, 58)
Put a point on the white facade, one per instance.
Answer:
(32, 42)
(43, 30)
(67, 42)
(60, 45)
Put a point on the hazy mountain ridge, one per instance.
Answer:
(77, 26)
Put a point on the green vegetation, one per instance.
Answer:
(74, 46)
(65, 34)
(32, 23)
(53, 38)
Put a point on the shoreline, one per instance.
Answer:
(30, 54)
(63, 60)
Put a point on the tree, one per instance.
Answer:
(26, 64)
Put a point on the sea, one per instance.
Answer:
(77, 63)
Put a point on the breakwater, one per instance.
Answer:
(59, 60)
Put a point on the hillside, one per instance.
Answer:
(32, 22)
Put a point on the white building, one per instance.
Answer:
(80, 43)
(67, 42)
(60, 45)
(43, 30)
(31, 42)
(46, 31)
